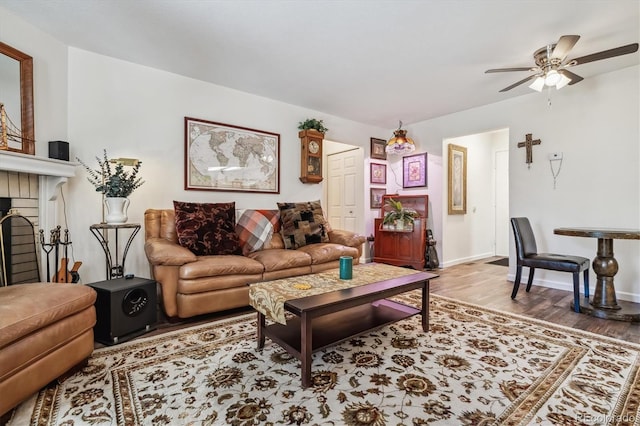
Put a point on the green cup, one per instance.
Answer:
(346, 267)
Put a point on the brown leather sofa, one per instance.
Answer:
(45, 330)
(193, 285)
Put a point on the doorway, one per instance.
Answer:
(483, 231)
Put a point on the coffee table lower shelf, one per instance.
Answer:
(332, 328)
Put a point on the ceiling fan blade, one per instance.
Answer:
(509, 69)
(564, 45)
(524, 80)
(575, 78)
(606, 54)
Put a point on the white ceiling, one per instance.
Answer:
(373, 61)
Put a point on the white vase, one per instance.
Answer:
(116, 210)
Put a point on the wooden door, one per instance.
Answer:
(344, 181)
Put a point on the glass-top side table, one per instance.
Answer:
(114, 266)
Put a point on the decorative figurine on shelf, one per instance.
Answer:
(115, 184)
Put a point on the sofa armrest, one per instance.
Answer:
(162, 252)
(347, 238)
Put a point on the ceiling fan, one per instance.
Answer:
(552, 67)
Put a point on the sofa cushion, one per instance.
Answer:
(276, 241)
(281, 259)
(328, 252)
(255, 228)
(207, 228)
(302, 224)
(217, 266)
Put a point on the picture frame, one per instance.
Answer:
(414, 170)
(378, 173)
(378, 149)
(224, 157)
(376, 195)
(457, 179)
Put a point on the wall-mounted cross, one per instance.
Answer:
(528, 144)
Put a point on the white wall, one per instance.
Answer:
(596, 126)
(138, 112)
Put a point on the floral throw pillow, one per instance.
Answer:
(302, 224)
(207, 228)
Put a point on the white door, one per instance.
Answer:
(502, 203)
(344, 178)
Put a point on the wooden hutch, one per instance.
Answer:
(406, 247)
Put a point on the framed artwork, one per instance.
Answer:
(222, 157)
(457, 182)
(376, 197)
(378, 149)
(414, 170)
(378, 173)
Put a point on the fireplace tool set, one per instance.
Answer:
(64, 274)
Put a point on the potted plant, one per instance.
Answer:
(115, 184)
(312, 123)
(399, 216)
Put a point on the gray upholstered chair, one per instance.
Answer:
(527, 255)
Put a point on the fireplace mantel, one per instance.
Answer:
(52, 175)
(23, 163)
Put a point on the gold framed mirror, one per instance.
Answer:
(26, 144)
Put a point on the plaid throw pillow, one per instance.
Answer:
(255, 228)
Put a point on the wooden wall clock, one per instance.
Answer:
(310, 156)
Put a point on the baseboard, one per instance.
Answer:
(466, 259)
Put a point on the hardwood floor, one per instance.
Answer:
(486, 285)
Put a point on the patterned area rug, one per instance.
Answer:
(475, 367)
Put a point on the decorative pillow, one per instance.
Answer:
(207, 228)
(255, 228)
(302, 224)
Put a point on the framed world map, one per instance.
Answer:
(223, 157)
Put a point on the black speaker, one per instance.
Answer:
(59, 150)
(125, 308)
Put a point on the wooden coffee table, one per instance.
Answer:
(325, 319)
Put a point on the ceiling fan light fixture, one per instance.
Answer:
(400, 143)
(552, 78)
(538, 84)
(564, 80)
(551, 64)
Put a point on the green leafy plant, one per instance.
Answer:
(312, 123)
(398, 212)
(113, 181)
